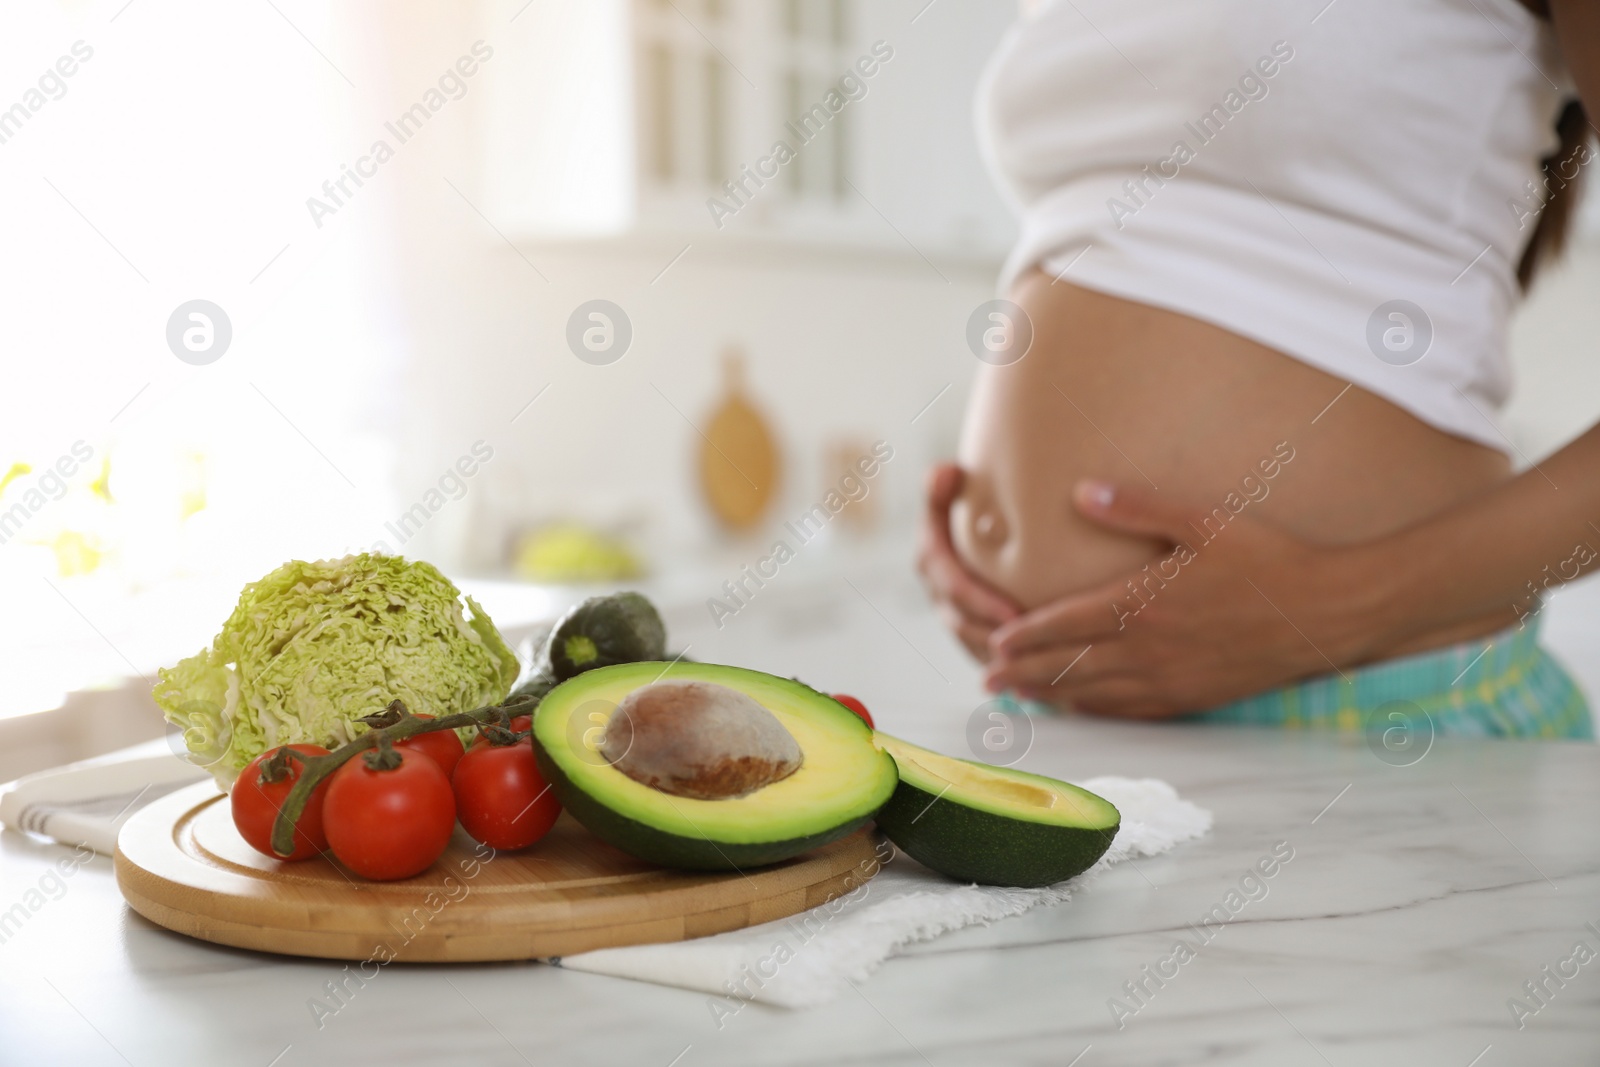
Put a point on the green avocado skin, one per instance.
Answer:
(620, 628)
(674, 850)
(976, 846)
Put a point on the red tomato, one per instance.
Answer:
(256, 803)
(441, 746)
(856, 706)
(501, 797)
(388, 824)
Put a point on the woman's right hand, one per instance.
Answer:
(969, 606)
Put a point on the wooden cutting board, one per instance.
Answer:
(739, 465)
(181, 864)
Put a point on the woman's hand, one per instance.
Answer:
(971, 608)
(1232, 611)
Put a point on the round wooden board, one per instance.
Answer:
(181, 864)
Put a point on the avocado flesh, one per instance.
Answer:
(842, 782)
(992, 825)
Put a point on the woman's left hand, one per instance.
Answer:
(1227, 614)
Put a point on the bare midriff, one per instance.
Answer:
(1128, 393)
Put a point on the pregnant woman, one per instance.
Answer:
(1234, 455)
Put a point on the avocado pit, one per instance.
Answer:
(699, 740)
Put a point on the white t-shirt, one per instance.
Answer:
(1352, 184)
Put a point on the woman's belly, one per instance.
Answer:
(1127, 393)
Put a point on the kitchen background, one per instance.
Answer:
(398, 315)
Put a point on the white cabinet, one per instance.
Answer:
(834, 122)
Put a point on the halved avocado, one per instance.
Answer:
(992, 825)
(842, 782)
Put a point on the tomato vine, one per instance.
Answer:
(393, 723)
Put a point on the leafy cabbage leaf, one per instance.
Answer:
(312, 647)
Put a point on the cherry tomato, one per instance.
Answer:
(388, 824)
(856, 706)
(441, 746)
(255, 807)
(501, 797)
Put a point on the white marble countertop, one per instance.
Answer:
(1418, 901)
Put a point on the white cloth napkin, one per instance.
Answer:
(87, 803)
(811, 958)
(801, 961)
